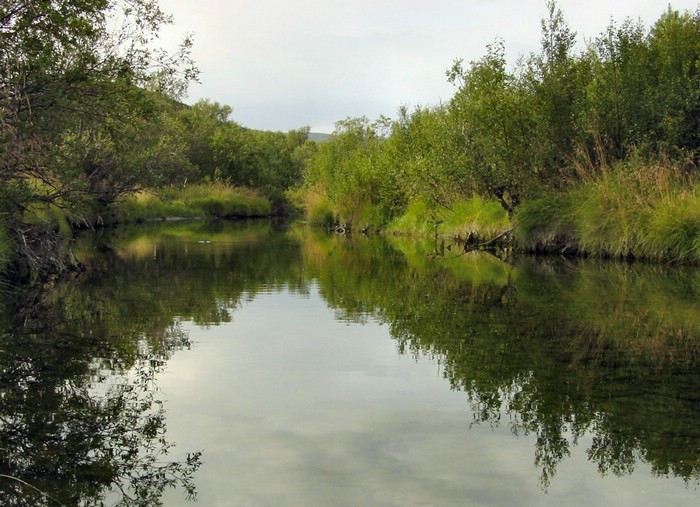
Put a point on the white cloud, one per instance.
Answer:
(282, 65)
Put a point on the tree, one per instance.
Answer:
(351, 167)
(553, 78)
(494, 116)
(198, 127)
(73, 96)
(674, 46)
(619, 78)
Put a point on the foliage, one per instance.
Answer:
(349, 168)
(90, 115)
(531, 133)
(77, 115)
(210, 201)
(218, 150)
(5, 246)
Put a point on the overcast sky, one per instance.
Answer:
(285, 64)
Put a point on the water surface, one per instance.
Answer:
(322, 370)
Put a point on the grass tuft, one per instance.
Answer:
(319, 209)
(477, 216)
(649, 211)
(195, 201)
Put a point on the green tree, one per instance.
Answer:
(556, 92)
(198, 127)
(643, 92)
(492, 112)
(351, 168)
(674, 46)
(619, 77)
(73, 98)
(424, 158)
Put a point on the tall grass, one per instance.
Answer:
(633, 209)
(476, 216)
(211, 201)
(318, 207)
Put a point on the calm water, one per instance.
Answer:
(321, 370)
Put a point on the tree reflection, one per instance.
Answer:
(81, 419)
(556, 350)
(73, 431)
(551, 349)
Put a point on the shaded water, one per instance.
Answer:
(323, 370)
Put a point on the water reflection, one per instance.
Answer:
(600, 355)
(553, 349)
(80, 419)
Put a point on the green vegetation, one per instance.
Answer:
(91, 122)
(592, 152)
(568, 143)
(473, 217)
(5, 245)
(650, 212)
(194, 201)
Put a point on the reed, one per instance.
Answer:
(634, 209)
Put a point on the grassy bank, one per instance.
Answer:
(194, 201)
(475, 216)
(633, 209)
(39, 242)
(649, 212)
(478, 217)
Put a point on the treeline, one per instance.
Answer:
(592, 150)
(91, 113)
(624, 110)
(215, 148)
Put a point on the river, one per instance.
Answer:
(268, 364)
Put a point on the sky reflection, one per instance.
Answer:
(293, 408)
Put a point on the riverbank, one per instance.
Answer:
(193, 201)
(650, 213)
(35, 245)
(645, 211)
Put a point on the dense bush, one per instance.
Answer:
(565, 142)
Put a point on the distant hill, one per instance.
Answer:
(318, 137)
